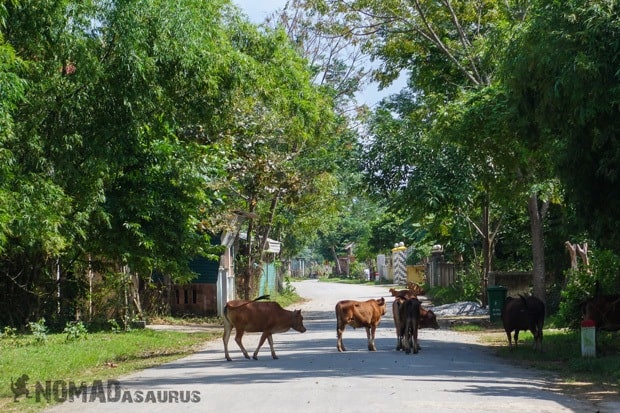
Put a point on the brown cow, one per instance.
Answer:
(265, 317)
(524, 314)
(365, 314)
(428, 319)
(416, 289)
(409, 317)
(403, 294)
(604, 310)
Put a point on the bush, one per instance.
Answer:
(75, 330)
(581, 285)
(356, 270)
(39, 330)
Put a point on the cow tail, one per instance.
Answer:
(262, 297)
(226, 314)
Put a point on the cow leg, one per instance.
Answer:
(408, 341)
(416, 345)
(370, 333)
(509, 335)
(226, 337)
(238, 338)
(269, 338)
(273, 352)
(516, 338)
(537, 332)
(395, 314)
(339, 331)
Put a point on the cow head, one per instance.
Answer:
(381, 304)
(429, 320)
(298, 321)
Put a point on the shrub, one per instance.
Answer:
(75, 330)
(581, 285)
(39, 330)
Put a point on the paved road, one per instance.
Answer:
(452, 373)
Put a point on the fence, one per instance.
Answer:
(440, 274)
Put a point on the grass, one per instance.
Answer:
(590, 378)
(100, 356)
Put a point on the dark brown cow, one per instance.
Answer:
(357, 314)
(604, 310)
(428, 319)
(524, 314)
(409, 317)
(253, 316)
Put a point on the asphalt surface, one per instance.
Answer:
(452, 373)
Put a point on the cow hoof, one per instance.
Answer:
(247, 356)
(228, 358)
(254, 357)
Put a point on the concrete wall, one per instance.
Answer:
(197, 299)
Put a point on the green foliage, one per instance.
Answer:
(39, 330)
(88, 360)
(9, 332)
(128, 133)
(288, 289)
(114, 326)
(356, 270)
(75, 330)
(562, 79)
(581, 284)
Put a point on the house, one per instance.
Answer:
(214, 286)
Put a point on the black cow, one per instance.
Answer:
(524, 313)
(409, 317)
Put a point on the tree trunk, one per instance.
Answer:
(537, 215)
(486, 248)
(338, 267)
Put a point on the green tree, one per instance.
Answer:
(562, 80)
(451, 51)
(281, 140)
(115, 143)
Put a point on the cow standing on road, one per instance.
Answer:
(524, 314)
(428, 319)
(409, 316)
(253, 316)
(357, 314)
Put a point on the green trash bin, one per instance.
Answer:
(497, 298)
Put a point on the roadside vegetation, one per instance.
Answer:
(84, 358)
(591, 378)
(77, 355)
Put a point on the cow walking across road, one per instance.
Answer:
(253, 316)
(357, 314)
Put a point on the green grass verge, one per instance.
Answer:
(597, 377)
(100, 356)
